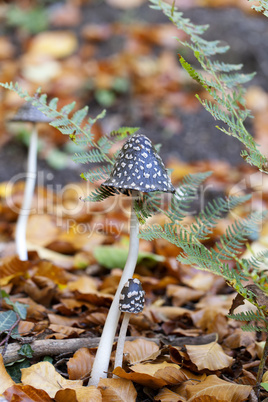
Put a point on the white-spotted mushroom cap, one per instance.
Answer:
(132, 297)
(29, 113)
(139, 167)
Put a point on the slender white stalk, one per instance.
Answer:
(121, 341)
(20, 234)
(102, 359)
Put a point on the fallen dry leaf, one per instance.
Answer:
(146, 380)
(215, 387)
(139, 350)
(119, 390)
(166, 395)
(27, 393)
(80, 365)
(44, 376)
(81, 394)
(210, 356)
(5, 379)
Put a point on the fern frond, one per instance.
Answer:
(99, 173)
(221, 80)
(92, 156)
(100, 194)
(231, 243)
(253, 328)
(123, 132)
(185, 195)
(207, 219)
(247, 316)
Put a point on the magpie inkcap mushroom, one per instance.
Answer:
(132, 297)
(131, 302)
(139, 167)
(29, 113)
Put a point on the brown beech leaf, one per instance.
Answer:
(240, 338)
(167, 373)
(83, 284)
(117, 389)
(212, 321)
(166, 313)
(146, 380)
(65, 330)
(96, 298)
(182, 294)
(5, 379)
(11, 267)
(222, 390)
(80, 364)
(44, 376)
(26, 393)
(166, 395)
(210, 356)
(81, 394)
(140, 350)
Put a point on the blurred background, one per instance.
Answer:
(122, 56)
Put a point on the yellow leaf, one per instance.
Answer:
(44, 376)
(55, 44)
(210, 356)
(5, 379)
(113, 389)
(214, 386)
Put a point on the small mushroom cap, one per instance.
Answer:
(29, 113)
(132, 297)
(139, 167)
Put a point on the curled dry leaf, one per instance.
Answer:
(240, 338)
(210, 356)
(119, 390)
(19, 392)
(84, 284)
(81, 394)
(214, 386)
(44, 376)
(80, 365)
(65, 331)
(153, 375)
(140, 350)
(166, 395)
(5, 379)
(182, 294)
(11, 267)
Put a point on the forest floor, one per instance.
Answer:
(124, 61)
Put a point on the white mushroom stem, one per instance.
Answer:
(102, 359)
(121, 341)
(20, 233)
